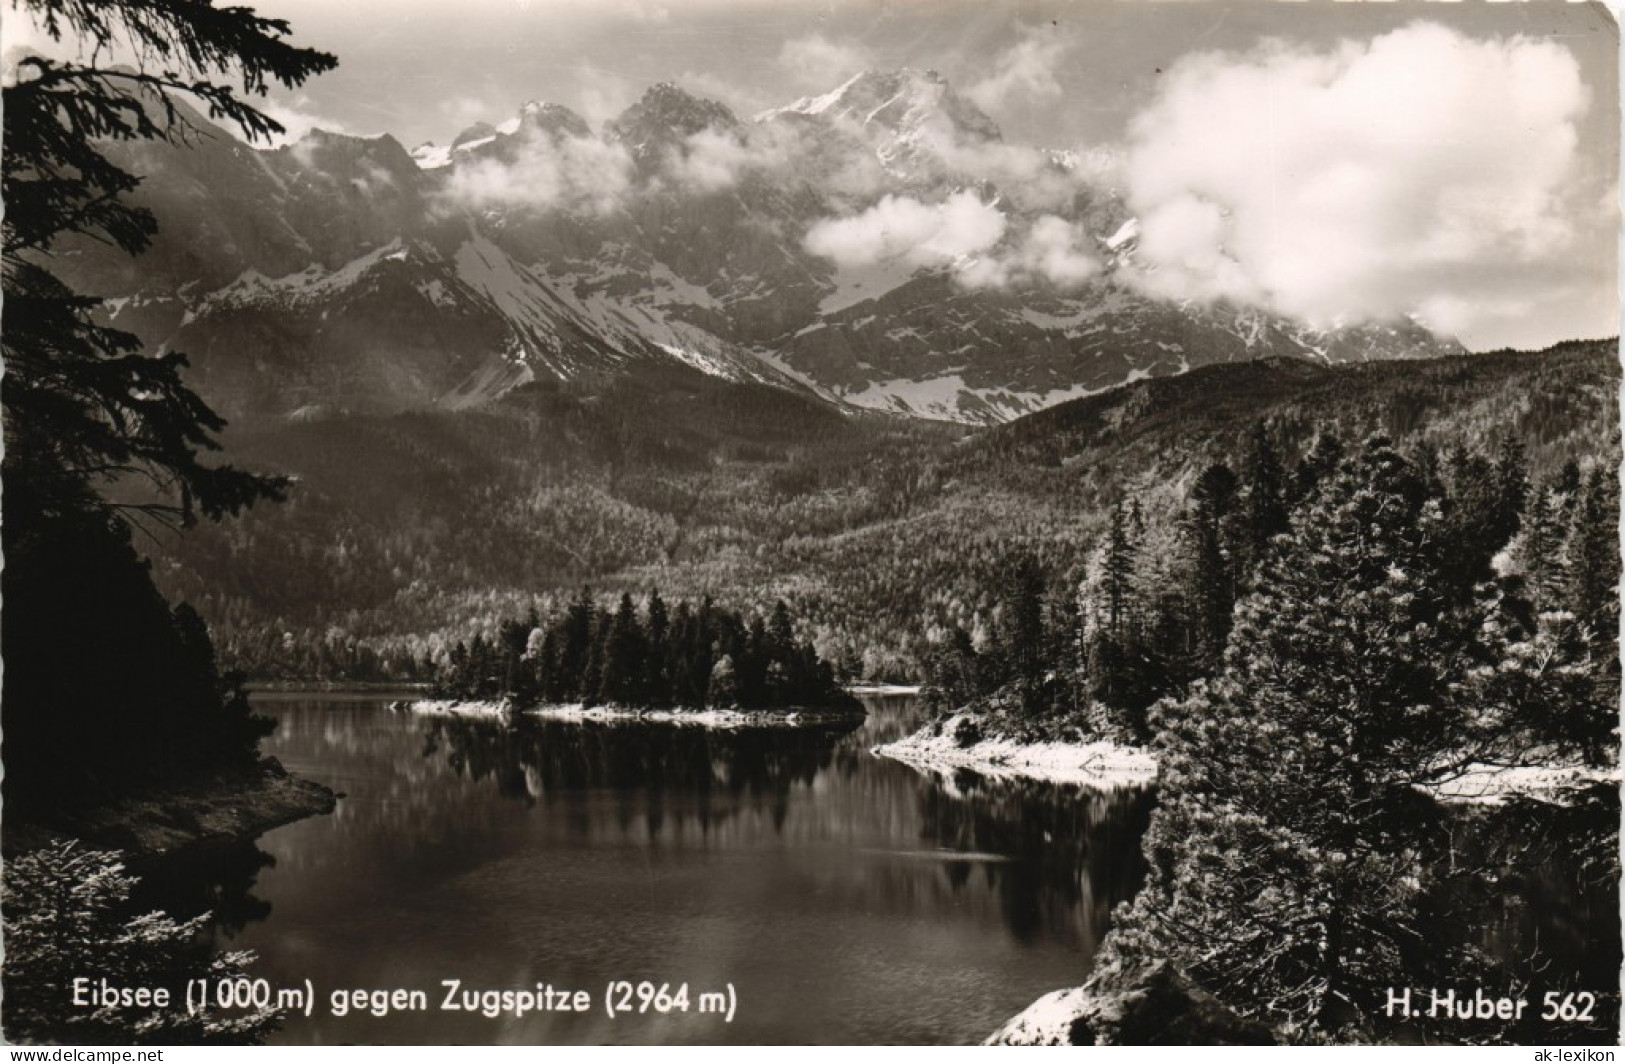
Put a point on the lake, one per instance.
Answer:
(846, 898)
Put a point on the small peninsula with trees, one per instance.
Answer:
(690, 658)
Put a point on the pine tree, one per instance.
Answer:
(82, 407)
(1289, 847)
(1021, 637)
(1540, 548)
(657, 681)
(687, 685)
(592, 671)
(1213, 564)
(1484, 505)
(68, 910)
(1267, 515)
(1592, 556)
(624, 658)
(549, 673)
(1118, 572)
(751, 661)
(101, 687)
(722, 689)
(1549, 688)
(576, 647)
(785, 681)
(1117, 667)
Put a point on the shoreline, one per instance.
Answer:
(1552, 782)
(1099, 765)
(157, 823)
(1104, 765)
(576, 713)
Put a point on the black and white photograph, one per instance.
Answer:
(810, 522)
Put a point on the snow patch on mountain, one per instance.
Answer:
(938, 397)
(1128, 231)
(309, 284)
(495, 377)
(430, 156)
(856, 283)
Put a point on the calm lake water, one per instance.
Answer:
(845, 897)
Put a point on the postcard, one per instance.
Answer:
(786, 522)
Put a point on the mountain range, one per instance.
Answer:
(879, 246)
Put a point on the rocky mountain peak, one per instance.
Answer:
(479, 131)
(900, 102)
(342, 155)
(345, 244)
(556, 121)
(667, 111)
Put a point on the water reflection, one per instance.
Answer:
(847, 897)
(1553, 925)
(216, 878)
(645, 766)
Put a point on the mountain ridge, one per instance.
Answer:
(677, 232)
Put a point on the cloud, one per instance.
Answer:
(786, 153)
(1052, 249)
(1031, 178)
(716, 159)
(1422, 172)
(544, 173)
(645, 11)
(1023, 74)
(295, 115)
(903, 229)
(972, 238)
(816, 62)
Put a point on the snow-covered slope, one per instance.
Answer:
(347, 273)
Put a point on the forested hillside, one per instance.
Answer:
(406, 534)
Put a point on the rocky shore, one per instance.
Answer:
(699, 718)
(1157, 1005)
(235, 804)
(966, 740)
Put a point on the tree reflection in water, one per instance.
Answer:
(856, 898)
(215, 877)
(1056, 858)
(540, 761)
(1077, 851)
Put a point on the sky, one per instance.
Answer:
(1333, 161)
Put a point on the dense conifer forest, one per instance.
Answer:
(688, 657)
(405, 535)
(1525, 565)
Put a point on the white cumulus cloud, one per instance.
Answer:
(1420, 172)
(715, 159)
(1051, 250)
(903, 229)
(568, 173)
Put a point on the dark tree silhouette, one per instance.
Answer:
(104, 685)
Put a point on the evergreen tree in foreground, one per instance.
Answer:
(1290, 849)
(104, 685)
